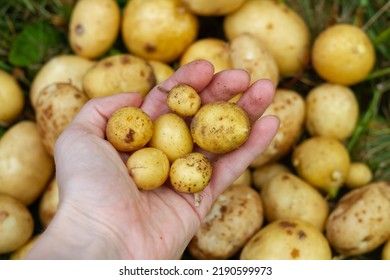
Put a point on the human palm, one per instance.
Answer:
(101, 210)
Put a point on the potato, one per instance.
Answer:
(172, 136)
(48, 203)
(331, 110)
(25, 165)
(190, 173)
(261, 175)
(111, 75)
(213, 8)
(16, 224)
(129, 129)
(386, 250)
(149, 168)
(21, 253)
(62, 68)
(289, 107)
(281, 29)
(359, 175)
(249, 53)
(56, 107)
(214, 50)
(323, 162)
(220, 127)
(93, 35)
(235, 216)
(184, 100)
(161, 70)
(174, 28)
(287, 239)
(244, 178)
(11, 98)
(343, 54)
(360, 222)
(288, 196)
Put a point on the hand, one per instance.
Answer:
(103, 215)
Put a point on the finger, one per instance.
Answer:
(225, 85)
(196, 74)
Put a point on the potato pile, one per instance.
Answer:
(304, 197)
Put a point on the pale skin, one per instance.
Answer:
(103, 215)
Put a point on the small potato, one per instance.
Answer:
(111, 75)
(56, 107)
(190, 173)
(11, 98)
(214, 50)
(184, 100)
(331, 110)
(244, 179)
(149, 168)
(93, 35)
(220, 127)
(48, 203)
(288, 196)
(213, 8)
(287, 239)
(359, 175)
(129, 129)
(172, 136)
(16, 224)
(21, 253)
(263, 174)
(360, 222)
(235, 216)
(386, 250)
(323, 162)
(161, 70)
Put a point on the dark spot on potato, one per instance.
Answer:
(294, 253)
(3, 215)
(48, 112)
(286, 224)
(125, 59)
(107, 64)
(301, 234)
(79, 29)
(367, 238)
(150, 48)
(269, 26)
(129, 136)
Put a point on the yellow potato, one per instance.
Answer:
(161, 70)
(244, 179)
(48, 203)
(183, 100)
(359, 175)
(16, 224)
(261, 175)
(158, 29)
(172, 136)
(287, 239)
(111, 76)
(220, 127)
(214, 50)
(94, 27)
(343, 54)
(386, 250)
(129, 129)
(21, 253)
(213, 8)
(25, 165)
(149, 168)
(11, 98)
(190, 173)
(235, 216)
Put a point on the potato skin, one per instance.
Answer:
(213, 8)
(183, 100)
(11, 97)
(129, 129)
(359, 175)
(386, 250)
(220, 127)
(263, 174)
(48, 203)
(235, 216)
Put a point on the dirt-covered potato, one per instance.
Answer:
(56, 107)
(281, 29)
(220, 127)
(360, 221)
(11, 98)
(158, 29)
(323, 162)
(289, 107)
(248, 52)
(386, 250)
(62, 68)
(331, 110)
(343, 54)
(149, 168)
(129, 129)
(94, 27)
(48, 203)
(213, 8)
(214, 50)
(235, 216)
(261, 175)
(287, 239)
(190, 173)
(172, 136)
(161, 70)
(184, 100)
(16, 224)
(112, 74)
(26, 167)
(21, 253)
(359, 175)
(288, 196)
